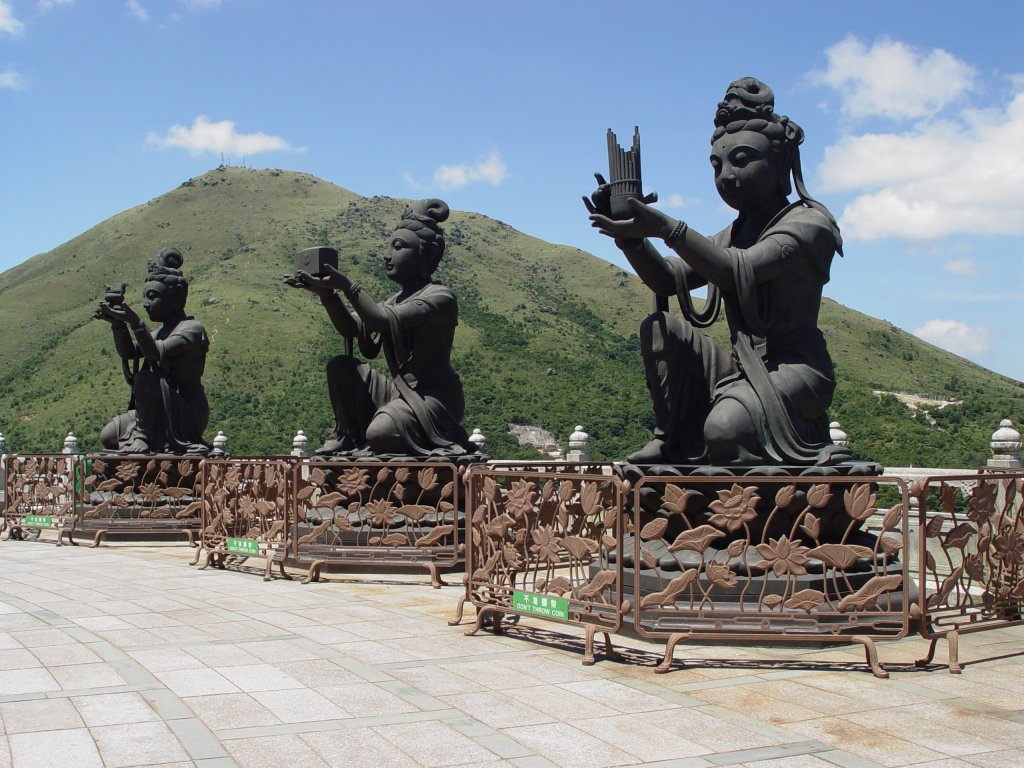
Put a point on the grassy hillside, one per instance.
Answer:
(547, 333)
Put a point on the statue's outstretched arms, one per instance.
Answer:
(119, 319)
(631, 236)
(147, 345)
(708, 260)
(374, 318)
(323, 287)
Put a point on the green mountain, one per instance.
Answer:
(547, 333)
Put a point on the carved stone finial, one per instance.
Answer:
(478, 439)
(3, 444)
(579, 445)
(70, 444)
(220, 443)
(1005, 446)
(838, 436)
(300, 444)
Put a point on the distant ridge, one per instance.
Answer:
(547, 333)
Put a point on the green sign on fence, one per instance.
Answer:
(541, 605)
(244, 546)
(38, 521)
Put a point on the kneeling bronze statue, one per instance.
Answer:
(416, 410)
(168, 411)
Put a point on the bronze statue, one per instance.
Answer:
(765, 401)
(168, 410)
(417, 410)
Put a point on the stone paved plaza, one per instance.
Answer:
(125, 656)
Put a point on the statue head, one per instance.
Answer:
(766, 146)
(165, 290)
(417, 244)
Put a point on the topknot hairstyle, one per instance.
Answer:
(166, 269)
(423, 218)
(749, 105)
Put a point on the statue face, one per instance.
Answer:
(159, 301)
(747, 172)
(402, 262)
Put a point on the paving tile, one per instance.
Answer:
(61, 655)
(77, 677)
(793, 761)
(434, 680)
(137, 744)
(231, 710)
(259, 677)
(635, 735)
(367, 700)
(356, 748)
(18, 658)
(290, 751)
(275, 651)
(299, 706)
(319, 672)
(498, 710)
(569, 747)
(558, 702)
(165, 659)
(39, 715)
(868, 743)
(617, 696)
(196, 682)
(219, 655)
(1005, 758)
(39, 637)
(55, 749)
(114, 709)
(434, 744)
(37, 680)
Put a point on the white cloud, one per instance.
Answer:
(136, 9)
(675, 200)
(956, 337)
(962, 267)
(45, 5)
(12, 80)
(891, 79)
(941, 177)
(206, 136)
(491, 169)
(8, 23)
(200, 5)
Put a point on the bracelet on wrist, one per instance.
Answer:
(353, 290)
(677, 232)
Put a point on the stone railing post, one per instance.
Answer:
(300, 445)
(579, 446)
(478, 440)
(1005, 447)
(836, 434)
(220, 445)
(70, 444)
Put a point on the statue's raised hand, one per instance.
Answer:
(647, 221)
(321, 286)
(116, 314)
(600, 199)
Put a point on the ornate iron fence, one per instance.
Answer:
(394, 514)
(139, 495)
(40, 493)
(970, 556)
(245, 513)
(769, 559)
(542, 544)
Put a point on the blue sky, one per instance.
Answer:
(914, 115)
